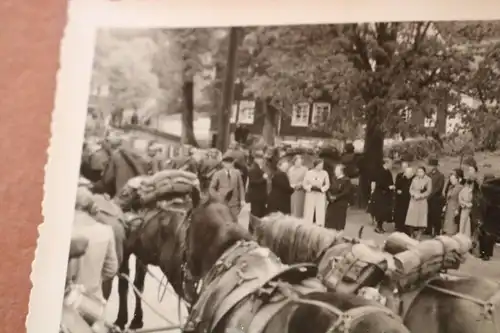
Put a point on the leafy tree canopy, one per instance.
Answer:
(373, 72)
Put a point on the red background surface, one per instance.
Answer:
(29, 58)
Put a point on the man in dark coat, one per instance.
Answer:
(281, 191)
(382, 191)
(435, 199)
(338, 196)
(402, 184)
(257, 186)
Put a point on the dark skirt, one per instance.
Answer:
(400, 209)
(382, 206)
(336, 215)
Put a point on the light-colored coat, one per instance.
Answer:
(465, 199)
(224, 181)
(420, 189)
(315, 202)
(296, 176)
(99, 263)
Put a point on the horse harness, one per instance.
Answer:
(248, 286)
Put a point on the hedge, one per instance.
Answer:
(416, 149)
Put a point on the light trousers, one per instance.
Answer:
(315, 207)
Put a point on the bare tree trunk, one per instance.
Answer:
(270, 120)
(228, 91)
(373, 154)
(187, 134)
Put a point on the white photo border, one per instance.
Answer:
(85, 16)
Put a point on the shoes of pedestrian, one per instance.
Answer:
(379, 230)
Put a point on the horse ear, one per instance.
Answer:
(195, 197)
(254, 222)
(229, 196)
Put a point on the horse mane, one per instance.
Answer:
(212, 232)
(292, 239)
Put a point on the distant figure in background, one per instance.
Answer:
(241, 134)
(402, 187)
(240, 162)
(338, 197)
(452, 208)
(348, 159)
(420, 189)
(281, 191)
(316, 183)
(435, 200)
(382, 190)
(227, 180)
(465, 198)
(296, 174)
(257, 186)
(490, 215)
(154, 163)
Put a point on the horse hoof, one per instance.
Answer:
(120, 324)
(136, 324)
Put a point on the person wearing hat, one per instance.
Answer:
(228, 185)
(435, 200)
(257, 186)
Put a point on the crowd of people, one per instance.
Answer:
(419, 200)
(422, 201)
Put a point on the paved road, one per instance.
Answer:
(168, 306)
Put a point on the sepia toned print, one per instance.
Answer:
(335, 177)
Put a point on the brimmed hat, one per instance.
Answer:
(433, 161)
(228, 157)
(258, 154)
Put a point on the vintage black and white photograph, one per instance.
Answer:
(289, 178)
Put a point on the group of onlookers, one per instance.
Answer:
(422, 201)
(309, 193)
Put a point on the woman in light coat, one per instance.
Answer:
(416, 217)
(465, 199)
(452, 208)
(296, 175)
(316, 183)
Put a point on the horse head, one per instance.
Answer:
(211, 232)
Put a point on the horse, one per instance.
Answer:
(449, 303)
(228, 279)
(95, 157)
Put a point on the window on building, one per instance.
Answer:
(321, 111)
(247, 112)
(406, 114)
(430, 121)
(300, 115)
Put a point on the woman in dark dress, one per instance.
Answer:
(382, 191)
(338, 197)
(402, 184)
(281, 191)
